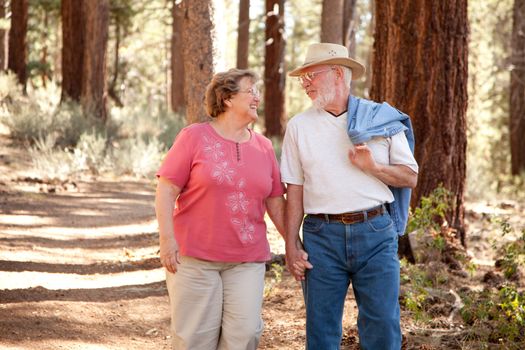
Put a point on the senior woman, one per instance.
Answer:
(215, 184)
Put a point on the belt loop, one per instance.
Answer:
(327, 218)
(365, 215)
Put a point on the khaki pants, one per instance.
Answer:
(216, 305)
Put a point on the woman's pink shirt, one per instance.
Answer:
(219, 214)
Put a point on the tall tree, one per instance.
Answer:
(17, 40)
(274, 72)
(349, 25)
(3, 37)
(420, 66)
(72, 49)
(177, 63)
(94, 93)
(198, 55)
(243, 36)
(332, 22)
(517, 89)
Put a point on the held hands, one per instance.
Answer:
(169, 256)
(297, 261)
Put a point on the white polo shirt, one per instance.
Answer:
(315, 155)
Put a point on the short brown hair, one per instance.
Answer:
(222, 87)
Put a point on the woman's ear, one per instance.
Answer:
(228, 102)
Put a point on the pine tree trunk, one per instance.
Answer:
(274, 72)
(517, 90)
(349, 25)
(94, 92)
(17, 51)
(177, 63)
(420, 66)
(3, 38)
(332, 22)
(198, 54)
(243, 39)
(72, 49)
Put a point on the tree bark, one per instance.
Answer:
(94, 93)
(274, 70)
(177, 63)
(112, 92)
(72, 49)
(420, 66)
(3, 38)
(332, 22)
(349, 25)
(243, 38)
(517, 90)
(17, 40)
(198, 54)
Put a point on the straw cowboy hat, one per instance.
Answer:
(325, 53)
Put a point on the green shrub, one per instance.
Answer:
(431, 212)
(500, 315)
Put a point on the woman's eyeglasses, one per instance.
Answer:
(253, 91)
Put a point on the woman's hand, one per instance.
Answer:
(169, 255)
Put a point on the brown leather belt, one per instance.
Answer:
(353, 217)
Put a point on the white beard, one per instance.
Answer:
(325, 95)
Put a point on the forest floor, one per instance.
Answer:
(79, 269)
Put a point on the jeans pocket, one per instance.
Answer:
(312, 225)
(381, 223)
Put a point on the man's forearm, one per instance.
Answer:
(395, 175)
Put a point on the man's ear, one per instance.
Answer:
(339, 72)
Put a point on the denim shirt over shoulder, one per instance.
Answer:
(368, 119)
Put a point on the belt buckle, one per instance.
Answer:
(347, 220)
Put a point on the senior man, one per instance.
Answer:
(348, 164)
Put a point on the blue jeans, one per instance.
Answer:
(364, 254)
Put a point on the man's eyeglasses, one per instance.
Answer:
(310, 76)
(253, 91)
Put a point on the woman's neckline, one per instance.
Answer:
(217, 134)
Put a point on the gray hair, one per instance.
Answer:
(347, 75)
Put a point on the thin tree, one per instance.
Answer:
(17, 51)
(3, 38)
(274, 72)
(177, 63)
(332, 22)
(198, 54)
(349, 25)
(94, 92)
(72, 49)
(420, 66)
(243, 34)
(517, 89)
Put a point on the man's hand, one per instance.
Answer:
(396, 175)
(297, 260)
(361, 157)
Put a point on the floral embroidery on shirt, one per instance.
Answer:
(213, 149)
(241, 184)
(237, 202)
(246, 229)
(221, 172)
